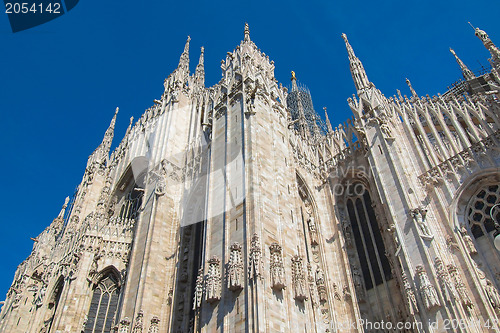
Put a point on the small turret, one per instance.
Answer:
(247, 33)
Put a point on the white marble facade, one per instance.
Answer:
(229, 209)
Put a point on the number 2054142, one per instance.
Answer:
(32, 8)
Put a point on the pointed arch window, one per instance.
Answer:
(132, 203)
(103, 305)
(369, 244)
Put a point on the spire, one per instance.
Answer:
(247, 33)
(357, 70)
(328, 124)
(483, 36)
(200, 69)
(413, 92)
(184, 60)
(468, 75)
(63, 209)
(108, 136)
(302, 117)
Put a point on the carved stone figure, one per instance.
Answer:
(419, 215)
(213, 281)
(235, 268)
(298, 279)
(312, 230)
(255, 260)
(427, 290)
(462, 292)
(493, 294)
(277, 269)
(447, 287)
(320, 283)
(411, 300)
(469, 243)
(358, 284)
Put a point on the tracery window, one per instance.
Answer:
(369, 244)
(478, 210)
(103, 305)
(132, 204)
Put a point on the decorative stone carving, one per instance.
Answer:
(447, 287)
(312, 285)
(213, 282)
(427, 290)
(320, 283)
(124, 325)
(419, 215)
(411, 300)
(154, 326)
(469, 243)
(347, 294)
(358, 284)
(336, 294)
(492, 293)
(277, 268)
(198, 290)
(298, 279)
(235, 268)
(138, 324)
(346, 228)
(460, 287)
(312, 230)
(255, 262)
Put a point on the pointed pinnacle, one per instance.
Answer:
(328, 124)
(468, 75)
(413, 92)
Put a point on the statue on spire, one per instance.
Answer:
(413, 92)
(483, 36)
(247, 33)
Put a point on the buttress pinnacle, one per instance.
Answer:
(200, 68)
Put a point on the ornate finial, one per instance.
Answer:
(131, 121)
(471, 25)
(467, 73)
(247, 33)
(293, 76)
(117, 109)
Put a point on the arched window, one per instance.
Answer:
(369, 244)
(478, 210)
(103, 305)
(132, 203)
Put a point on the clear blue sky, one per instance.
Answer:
(60, 82)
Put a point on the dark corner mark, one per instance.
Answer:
(26, 14)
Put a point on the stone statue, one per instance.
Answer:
(419, 215)
(469, 243)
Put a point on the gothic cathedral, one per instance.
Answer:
(237, 208)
